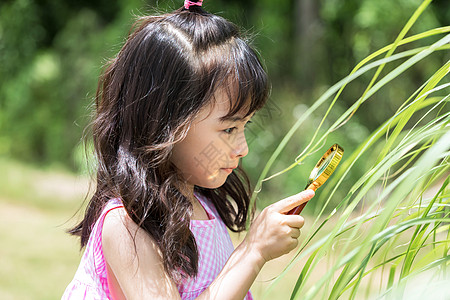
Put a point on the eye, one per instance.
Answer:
(248, 123)
(230, 130)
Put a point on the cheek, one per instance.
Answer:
(202, 154)
(225, 142)
(187, 155)
(181, 156)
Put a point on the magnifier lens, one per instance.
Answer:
(323, 169)
(314, 175)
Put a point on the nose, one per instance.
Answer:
(241, 148)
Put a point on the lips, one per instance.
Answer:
(229, 170)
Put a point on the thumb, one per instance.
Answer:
(289, 203)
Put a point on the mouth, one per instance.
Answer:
(229, 170)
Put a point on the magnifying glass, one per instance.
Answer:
(323, 169)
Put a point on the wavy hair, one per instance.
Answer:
(148, 95)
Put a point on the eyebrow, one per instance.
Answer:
(233, 118)
(230, 119)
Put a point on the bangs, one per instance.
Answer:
(237, 70)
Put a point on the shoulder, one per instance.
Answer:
(116, 221)
(120, 230)
(134, 259)
(123, 241)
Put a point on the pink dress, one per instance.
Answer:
(213, 242)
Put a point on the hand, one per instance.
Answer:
(273, 233)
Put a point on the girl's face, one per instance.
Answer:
(213, 145)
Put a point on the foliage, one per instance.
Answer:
(392, 225)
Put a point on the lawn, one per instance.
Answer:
(37, 257)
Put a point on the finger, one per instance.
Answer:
(294, 221)
(289, 203)
(294, 244)
(295, 233)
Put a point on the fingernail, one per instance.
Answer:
(310, 192)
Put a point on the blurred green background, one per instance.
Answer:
(51, 53)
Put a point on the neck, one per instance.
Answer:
(186, 190)
(198, 212)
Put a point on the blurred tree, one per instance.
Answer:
(51, 53)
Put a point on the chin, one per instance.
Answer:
(214, 182)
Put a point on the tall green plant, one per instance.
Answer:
(392, 227)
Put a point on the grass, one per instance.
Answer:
(392, 227)
(38, 258)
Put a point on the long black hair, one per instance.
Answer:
(148, 95)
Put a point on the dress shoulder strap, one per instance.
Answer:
(99, 261)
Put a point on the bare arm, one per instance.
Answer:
(141, 275)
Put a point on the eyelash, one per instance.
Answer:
(231, 129)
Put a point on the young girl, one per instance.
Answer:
(169, 134)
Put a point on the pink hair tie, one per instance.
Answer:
(188, 4)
